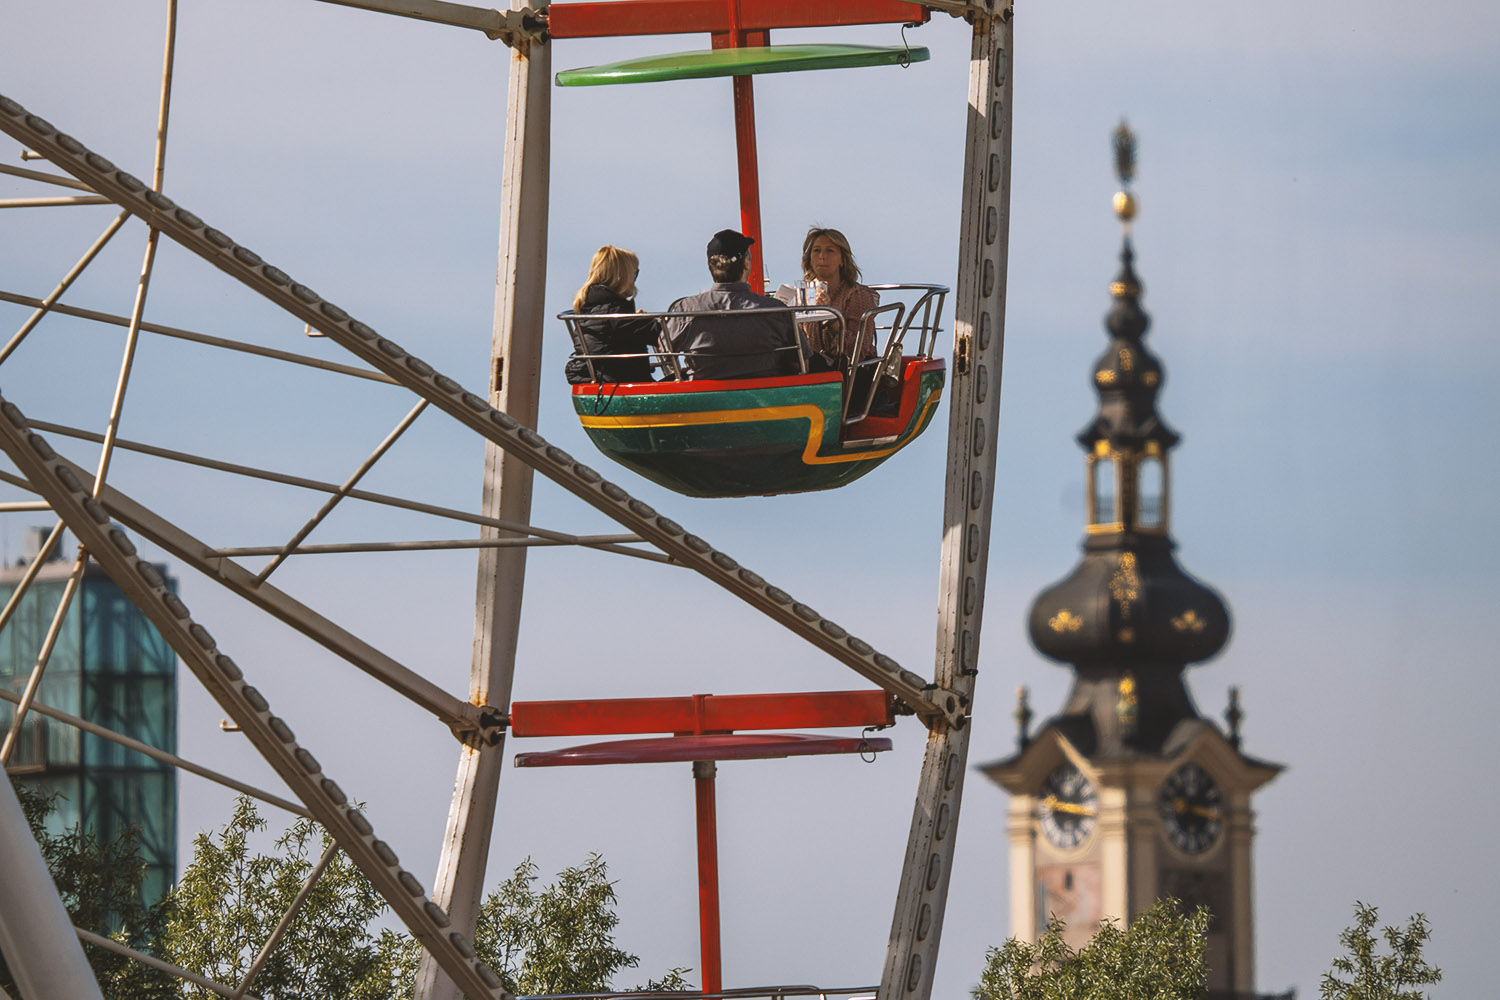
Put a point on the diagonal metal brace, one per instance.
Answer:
(144, 585)
(513, 27)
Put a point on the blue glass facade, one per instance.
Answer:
(112, 668)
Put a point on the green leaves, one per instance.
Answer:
(556, 938)
(1363, 974)
(230, 899)
(1160, 956)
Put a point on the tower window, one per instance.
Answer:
(1153, 492)
(1103, 492)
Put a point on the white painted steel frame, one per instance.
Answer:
(109, 944)
(38, 175)
(515, 388)
(156, 754)
(36, 935)
(343, 491)
(974, 409)
(46, 304)
(51, 304)
(54, 201)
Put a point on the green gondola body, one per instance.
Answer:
(752, 437)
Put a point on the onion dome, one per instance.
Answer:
(1128, 619)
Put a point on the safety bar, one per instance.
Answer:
(671, 361)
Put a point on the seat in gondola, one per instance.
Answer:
(782, 434)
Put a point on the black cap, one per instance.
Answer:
(728, 243)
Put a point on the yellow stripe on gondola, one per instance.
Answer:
(762, 414)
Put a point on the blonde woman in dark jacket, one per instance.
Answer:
(610, 288)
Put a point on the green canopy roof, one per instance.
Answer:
(740, 62)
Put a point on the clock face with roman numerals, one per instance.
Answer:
(1069, 806)
(1192, 809)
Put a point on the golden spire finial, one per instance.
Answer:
(1125, 204)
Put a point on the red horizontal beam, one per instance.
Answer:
(611, 18)
(668, 749)
(701, 713)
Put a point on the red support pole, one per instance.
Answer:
(708, 876)
(744, 143)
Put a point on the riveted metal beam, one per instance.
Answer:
(974, 410)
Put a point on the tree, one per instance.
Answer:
(556, 938)
(1160, 956)
(1361, 974)
(230, 898)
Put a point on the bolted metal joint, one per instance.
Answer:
(952, 709)
(492, 726)
(518, 27)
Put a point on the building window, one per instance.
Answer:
(1104, 505)
(1153, 493)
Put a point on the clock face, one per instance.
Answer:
(1192, 809)
(1069, 806)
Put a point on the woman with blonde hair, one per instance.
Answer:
(610, 288)
(828, 259)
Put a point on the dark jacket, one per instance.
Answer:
(613, 336)
(741, 342)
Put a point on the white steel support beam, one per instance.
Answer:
(515, 388)
(36, 934)
(974, 409)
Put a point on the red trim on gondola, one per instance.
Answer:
(679, 749)
(700, 385)
(911, 383)
(701, 713)
(669, 17)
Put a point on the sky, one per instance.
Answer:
(1319, 238)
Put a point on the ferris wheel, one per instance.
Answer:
(35, 935)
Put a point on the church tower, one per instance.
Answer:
(1128, 794)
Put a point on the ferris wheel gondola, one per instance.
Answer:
(790, 433)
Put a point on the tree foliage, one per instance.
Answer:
(556, 938)
(230, 898)
(1160, 956)
(1364, 974)
(559, 939)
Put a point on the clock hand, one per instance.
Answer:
(1206, 812)
(1056, 805)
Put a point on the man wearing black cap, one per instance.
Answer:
(736, 343)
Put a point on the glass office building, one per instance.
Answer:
(110, 667)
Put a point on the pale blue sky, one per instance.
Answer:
(1320, 243)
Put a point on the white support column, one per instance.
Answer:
(36, 934)
(515, 379)
(978, 337)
